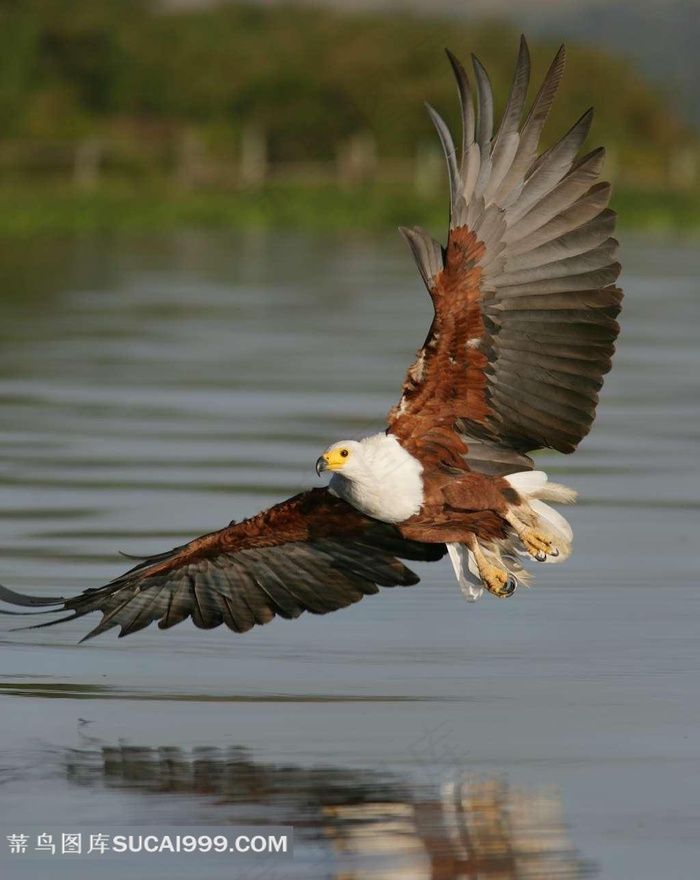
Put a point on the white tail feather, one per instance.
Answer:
(466, 570)
(558, 493)
(534, 484)
(527, 482)
(556, 522)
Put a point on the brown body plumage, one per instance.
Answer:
(522, 335)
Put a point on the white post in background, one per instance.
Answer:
(357, 159)
(683, 168)
(252, 167)
(191, 161)
(86, 164)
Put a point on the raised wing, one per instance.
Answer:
(524, 295)
(312, 553)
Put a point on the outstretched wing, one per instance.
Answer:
(312, 553)
(524, 295)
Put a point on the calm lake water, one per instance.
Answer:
(153, 390)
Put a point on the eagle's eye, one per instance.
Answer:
(344, 453)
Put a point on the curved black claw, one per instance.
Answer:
(510, 586)
(554, 552)
(541, 556)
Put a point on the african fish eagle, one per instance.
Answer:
(525, 304)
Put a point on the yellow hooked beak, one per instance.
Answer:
(332, 460)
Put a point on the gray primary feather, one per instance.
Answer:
(532, 129)
(507, 140)
(426, 251)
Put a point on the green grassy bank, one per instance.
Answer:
(58, 211)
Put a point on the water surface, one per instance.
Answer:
(154, 389)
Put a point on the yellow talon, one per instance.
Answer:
(537, 544)
(497, 581)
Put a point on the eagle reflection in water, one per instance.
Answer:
(357, 824)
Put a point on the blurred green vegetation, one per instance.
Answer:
(148, 83)
(59, 210)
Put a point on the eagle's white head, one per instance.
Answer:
(376, 475)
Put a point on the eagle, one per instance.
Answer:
(524, 326)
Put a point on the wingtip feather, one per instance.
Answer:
(26, 601)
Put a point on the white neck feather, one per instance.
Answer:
(384, 480)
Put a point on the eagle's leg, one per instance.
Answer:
(496, 580)
(537, 544)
